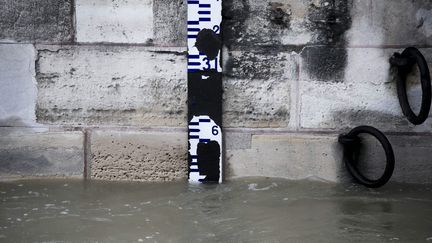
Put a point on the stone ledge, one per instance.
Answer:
(162, 156)
(299, 156)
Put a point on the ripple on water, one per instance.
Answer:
(254, 187)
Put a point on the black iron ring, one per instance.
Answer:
(404, 63)
(351, 143)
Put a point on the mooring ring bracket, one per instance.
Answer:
(404, 63)
(400, 61)
(351, 143)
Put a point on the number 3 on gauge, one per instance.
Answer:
(215, 130)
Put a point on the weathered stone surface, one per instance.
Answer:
(26, 152)
(399, 22)
(262, 104)
(34, 20)
(257, 88)
(18, 85)
(117, 21)
(236, 140)
(261, 64)
(147, 87)
(298, 156)
(288, 22)
(367, 95)
(170, 22)
(140, 156)
(138, 86)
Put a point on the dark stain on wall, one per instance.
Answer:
(33, 20)
(255, 65)
(27, 160)
(23, 162)
(329, 20)
(248, 24)
(349, 118)
(234, 16)
(324, 63)
(279, 14)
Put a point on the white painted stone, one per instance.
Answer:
(18, 85)
(141, 86)
(117, 21)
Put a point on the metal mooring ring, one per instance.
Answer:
(404, 63)
(351, 143)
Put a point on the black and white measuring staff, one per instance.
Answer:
(204, 91)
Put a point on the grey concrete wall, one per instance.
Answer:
(112, 74)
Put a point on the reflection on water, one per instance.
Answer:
(243, 210)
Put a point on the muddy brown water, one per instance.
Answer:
(242, 210)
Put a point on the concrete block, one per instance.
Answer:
(118, 21)
(111, 85)
(299, 156)
(170, 22)
(18, 85)
(139, 156)
(289, 22)
(399, 22)
(37, 21)
(288, 156)
(366, 96)
(26, 152)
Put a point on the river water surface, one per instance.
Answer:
(242, 210)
